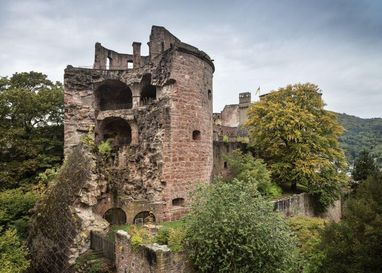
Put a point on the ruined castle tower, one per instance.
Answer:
(155, 112)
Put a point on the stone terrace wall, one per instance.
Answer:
(148, 258)
(303, 204)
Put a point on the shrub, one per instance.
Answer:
(162, 236)
(230, 228)
(139, 236)
(253, 171)
(308, 231)
(13, 253)
(175, 239)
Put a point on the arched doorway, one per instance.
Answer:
(144, 217)
(115, 216)
(113, 95)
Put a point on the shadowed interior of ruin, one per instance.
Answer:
(144, 217)
(115, 216)
(113, 95)
(116, 130)
(148, 94)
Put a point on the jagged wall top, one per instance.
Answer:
(161, 40)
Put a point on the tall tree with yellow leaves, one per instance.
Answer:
(298, 139)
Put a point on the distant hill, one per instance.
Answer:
(361, 134)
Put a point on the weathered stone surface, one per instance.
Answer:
(156, 113)
(148, 258)
(303, 204)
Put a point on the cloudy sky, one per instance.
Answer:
(336, 44)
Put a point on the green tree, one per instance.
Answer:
(231, 228)
(364, 166)
(15, 206)
(31, 127)
(245, 167)
(13, 253)
(298, 140)
(354, 244)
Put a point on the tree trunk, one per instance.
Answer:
(293, 186)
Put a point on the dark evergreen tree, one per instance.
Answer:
(354, 245)
(364, 166)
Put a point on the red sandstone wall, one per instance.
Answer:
(188, 162)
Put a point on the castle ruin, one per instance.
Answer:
(155, 112)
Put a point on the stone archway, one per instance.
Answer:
(115, 216)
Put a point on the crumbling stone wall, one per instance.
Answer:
(61, 223)
(304, 204)
(148, 258)
(220, 150)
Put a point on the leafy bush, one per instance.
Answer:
(13, 253)
(231, 228)
(139, 236)
(176, 239)
(308, 231)
(162, 236)
(246, 168)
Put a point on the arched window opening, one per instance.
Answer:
(113, 95)
(148, 94)
(116, 130)
(115, 216)
(179, 202)
(196, 135)
(144, 217)
(209, 94)
(225, 165)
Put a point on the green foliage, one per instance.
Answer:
(15, 206)
(354, 244)
(162, 236)
(13, 253)
(104, 148)
(225, 138)
(139, 236)
(297, 138)
(176, 239)
(308, 231)
(232, 229)
(364, 166)
(245, 167)
(361, 134)
(31, 127)
(88, 140)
